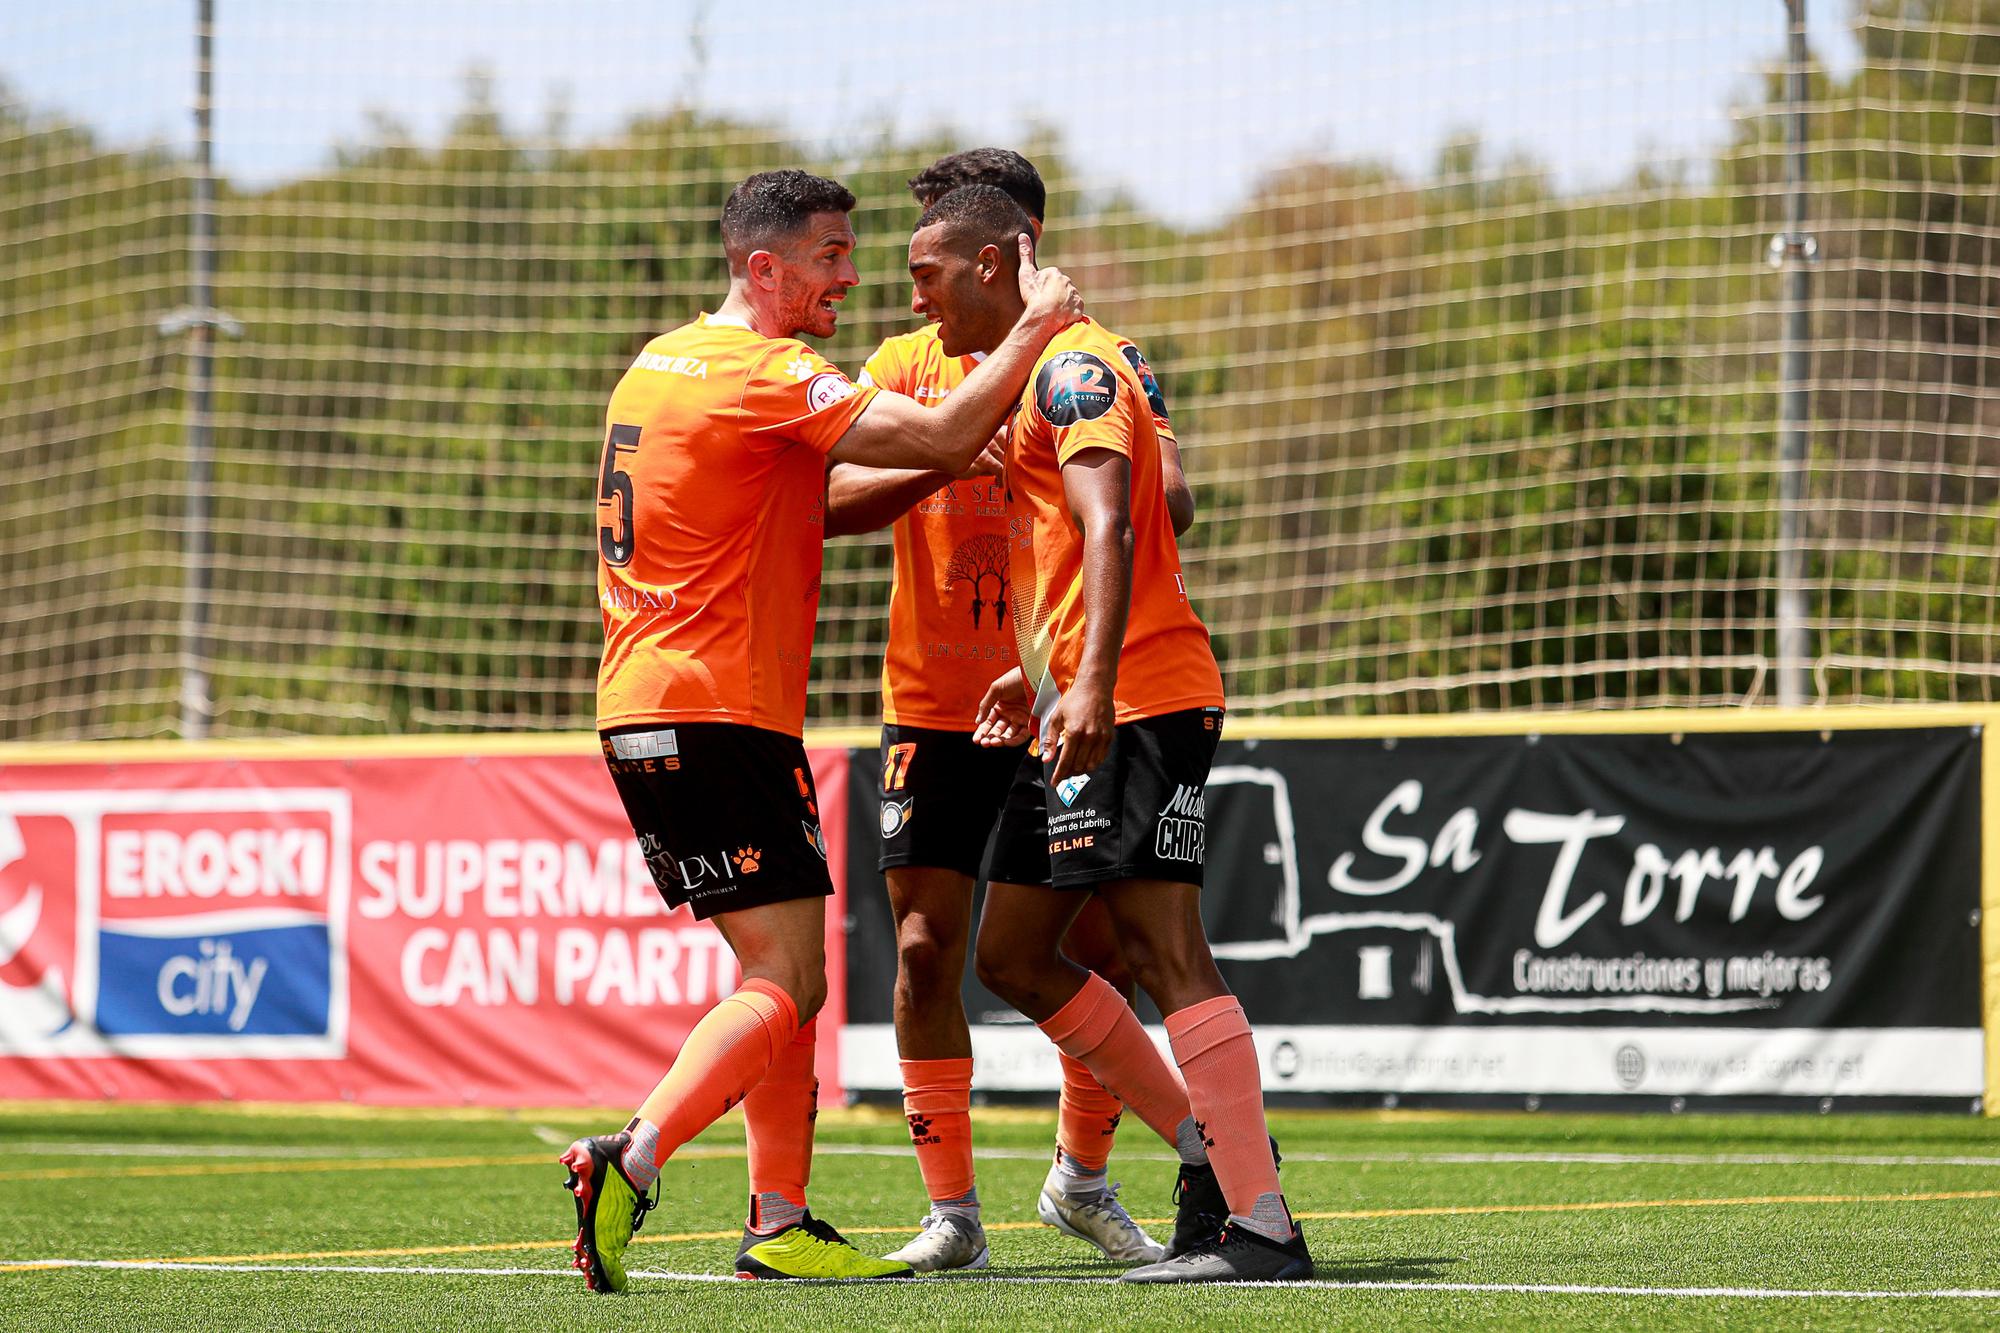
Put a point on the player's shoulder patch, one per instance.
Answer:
(829, 388)
(1074, 386)
(1137, 360)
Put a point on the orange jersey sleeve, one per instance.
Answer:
(1084, 394)
(950, 626)
(711, 515)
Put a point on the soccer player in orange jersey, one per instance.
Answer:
(711, 509)
(1129, 705)
(949, 635)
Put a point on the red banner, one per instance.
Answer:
(477, 929)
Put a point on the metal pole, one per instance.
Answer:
(195, 695)
(1795, 252)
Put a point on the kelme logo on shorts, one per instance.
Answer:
(1070, 788)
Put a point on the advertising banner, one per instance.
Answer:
(425, 929)
(1759, 914)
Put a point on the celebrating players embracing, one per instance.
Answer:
(711, 510)
(950, 634)
(1129, 702)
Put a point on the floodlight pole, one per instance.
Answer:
(1795, 252)
(199, 319)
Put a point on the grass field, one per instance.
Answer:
(265, 1217)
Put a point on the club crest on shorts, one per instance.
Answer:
(814, 837)
(895, 816)
(1074, 386)
(1070, 788)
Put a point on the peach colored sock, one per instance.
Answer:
(725, 1056)
(1100, 1031)
(937, 1099)
(1211, 1040)
(779, 1115)
(1086, 1117)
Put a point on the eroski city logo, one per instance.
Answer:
(175, 923)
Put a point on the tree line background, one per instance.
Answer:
(1461, 439)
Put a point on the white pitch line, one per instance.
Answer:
(95, 1149)
(658, 1275)
(1478, 1158)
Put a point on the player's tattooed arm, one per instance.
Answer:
(1097, 483)
(1180, 497)
(894, 431)
(868, 499)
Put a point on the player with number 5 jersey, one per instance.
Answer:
(710, 517)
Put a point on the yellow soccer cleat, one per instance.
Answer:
(608, 1209)
(811, 1249)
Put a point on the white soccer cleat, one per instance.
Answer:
(948, 1240)
(1101, 1220)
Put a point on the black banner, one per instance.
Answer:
(1691, 912)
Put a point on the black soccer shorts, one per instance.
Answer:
(1140, 814)
(726, 815)
(940, 796)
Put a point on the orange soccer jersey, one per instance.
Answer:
(711, 517)
(1084, 394)
(952, 599)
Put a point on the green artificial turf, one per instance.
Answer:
(1417, 1220)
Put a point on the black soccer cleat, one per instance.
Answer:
(1235, 1254)
(1199, 1209)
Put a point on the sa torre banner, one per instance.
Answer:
(410, 923)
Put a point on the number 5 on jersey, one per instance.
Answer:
(615, 538)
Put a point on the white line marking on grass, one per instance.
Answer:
(1641, 1159)
(1476, 1158)
(94, 1149)
(1328, 1285)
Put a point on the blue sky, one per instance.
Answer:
(1178, 102)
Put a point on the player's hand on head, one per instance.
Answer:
(1047, 292)
(1079, 731)
(1003, 717)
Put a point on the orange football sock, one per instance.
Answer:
(937, 1101)
(1211, 1040)
(779, 1115)
(1086, 1117)
(725, 1056)
(1099, 1030)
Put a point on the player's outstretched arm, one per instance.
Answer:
(894, 431)
(868, 499)
(1097, 483)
